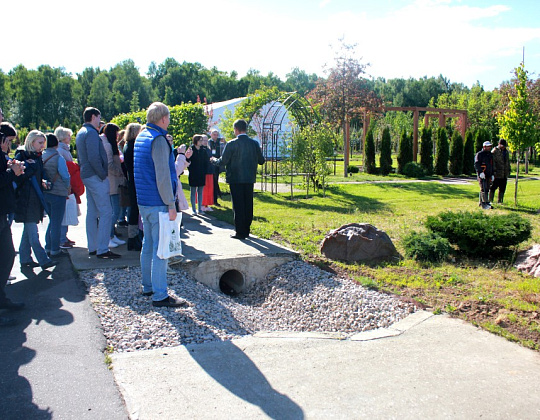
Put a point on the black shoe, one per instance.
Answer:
(147, 293)
(49, 264)
(123, 223)
(7, 322)
(92, 253)
(134, 244)
(237, 236)
(108, 255)
(31, 264)
(170, 302)
(12, 306)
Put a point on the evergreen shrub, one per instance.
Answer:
(468, 153)
(386, 152)
(426, 247)
(414, 170)
(442, 153)
(426, 150)
(370, 153)
(405, 154)
(456, 154)
(479, 234)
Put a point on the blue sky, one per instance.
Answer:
(464, 40)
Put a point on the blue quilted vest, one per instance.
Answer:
(144, 171)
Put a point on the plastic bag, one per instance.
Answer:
(71, 215)
(170, 244)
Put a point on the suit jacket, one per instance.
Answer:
(241, 157)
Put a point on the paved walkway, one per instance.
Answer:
(425, 366)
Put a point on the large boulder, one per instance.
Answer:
(359, 242)
(529, 261)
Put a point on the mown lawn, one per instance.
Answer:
(489, 293)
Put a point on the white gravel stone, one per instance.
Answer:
(296, 296)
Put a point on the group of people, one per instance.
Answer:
(42, 176)
(492, 169)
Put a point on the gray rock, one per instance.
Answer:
(360, 242)
(529, 261)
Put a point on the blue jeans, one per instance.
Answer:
(115, 204)
(56, 207)
(196, 191)
(30, 242)
(153, 268)
(99, 207)
(63, 234)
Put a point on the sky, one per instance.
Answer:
(467, 41)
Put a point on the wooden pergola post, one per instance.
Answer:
(415, 135)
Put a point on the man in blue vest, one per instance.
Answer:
(155, 183)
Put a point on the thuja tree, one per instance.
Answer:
(405, 153)
(441, 152)
(518, 124)
(385, 159)
(426, 150)
(480, 136)
(370, 166)
(456, 154)
(468, 153)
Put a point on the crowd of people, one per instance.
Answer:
(133, 173)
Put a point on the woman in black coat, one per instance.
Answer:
(199, 161)
(29, 209)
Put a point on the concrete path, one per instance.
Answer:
(423, 367)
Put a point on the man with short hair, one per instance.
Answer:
(483, 163)
(241, 157)
(155, 183)
(501, 171)
(94, 171)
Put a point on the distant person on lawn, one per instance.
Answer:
(483, 164)
(501, 171)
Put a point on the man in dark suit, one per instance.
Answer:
(240, 158)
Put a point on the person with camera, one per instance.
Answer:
(10, 170)
(31, 202)
(56, 171)
(501, 171)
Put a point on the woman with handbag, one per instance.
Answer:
(56, 171)
(30, 201)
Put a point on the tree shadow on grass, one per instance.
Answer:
(432, 189)
(340, 202)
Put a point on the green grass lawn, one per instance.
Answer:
(489, 293)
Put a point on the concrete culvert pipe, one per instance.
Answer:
(232, 282)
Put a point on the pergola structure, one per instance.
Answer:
(441, 113)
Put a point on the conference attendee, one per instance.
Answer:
(64, 136)
(115, 175)
(501, 171)
(134, 242)
(483, 164)
(198, 163)
(56, 171)
(94, 170)
(208, 191)
(241, 157)
(216, 145)
(156, 184)
(10, 170)
(31, 202)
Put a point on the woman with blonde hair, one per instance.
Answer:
(30, 201)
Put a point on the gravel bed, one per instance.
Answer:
(293, 297)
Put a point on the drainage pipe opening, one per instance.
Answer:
(232, 282)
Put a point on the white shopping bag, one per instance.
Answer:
(169, 236)
(71, 215)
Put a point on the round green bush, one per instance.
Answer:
(353, 169)
(479, 234)
(426, 247)
(414, 170)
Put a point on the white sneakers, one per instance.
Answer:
(114, 242)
